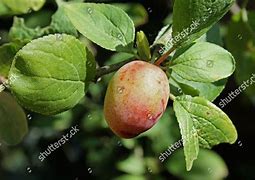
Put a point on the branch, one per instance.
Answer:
(165, 56)
(101, 71)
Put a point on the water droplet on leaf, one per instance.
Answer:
(59, 37)
(90, 10)
(119, 36)
(89, 64)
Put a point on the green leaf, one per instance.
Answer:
(19, 31)
(4, 10)
(13, 122)
(23, 6)
(105, 25)
(129, 177)
(203, 62)
(143, 46)
(41, 18)
(48, 74)
(163, 36)
(193, 18)
(136, 12)
(209, 165)
(209, 91)
(133, 165)
(7, 53)
(210, 125)
(61, 24)
(189, 134)
(162, 42)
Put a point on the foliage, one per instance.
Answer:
(51, 72)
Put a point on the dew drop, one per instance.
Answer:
(120, 89)
(240, 36)
(29, 117)
(240, 143)
(59, 37)
(89, 116)
(210, 170)
(119, 143)
(89, 64)
(119, 36)
(209, 10)
(99, 79)
(90, 170)
(149, 10)
(149, 116)
(29, 169)
(29, 10)
(90, 10)
(150, 170)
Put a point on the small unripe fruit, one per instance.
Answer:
(136, 98)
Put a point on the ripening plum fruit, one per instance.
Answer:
(136, 98)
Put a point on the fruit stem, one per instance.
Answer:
(172, 97)
(101, 71)
(164, 57)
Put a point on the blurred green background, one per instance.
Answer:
(96, 153)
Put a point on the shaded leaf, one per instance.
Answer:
(209, 166)
(19, 31)
(135, 11)
(13, 122)
(7, 53)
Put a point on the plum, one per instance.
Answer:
(136, 98)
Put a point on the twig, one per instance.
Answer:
(109, 69)
(164, 57)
